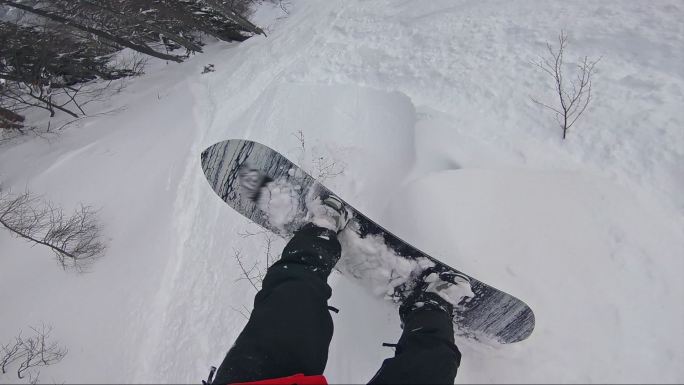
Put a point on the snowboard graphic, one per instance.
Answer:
(267, 188)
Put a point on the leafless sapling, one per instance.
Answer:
(320, 167)
(255, 273)
(29, 353)
(75, 240)
(573, 98)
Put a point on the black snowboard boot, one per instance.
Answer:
(433, 289)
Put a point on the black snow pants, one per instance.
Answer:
(290, 328)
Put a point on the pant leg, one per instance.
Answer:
(290, 328)
(425, 354)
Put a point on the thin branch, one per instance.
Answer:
(246, 274)
(545, 105)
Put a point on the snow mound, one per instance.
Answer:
(334, 130)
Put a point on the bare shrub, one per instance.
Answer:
(255, 273)
(29, 353)
(320, 167)
(573, 98)
(75, 240)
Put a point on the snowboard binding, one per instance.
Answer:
(329, 212)
(434, 288)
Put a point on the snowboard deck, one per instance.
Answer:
(252, 178)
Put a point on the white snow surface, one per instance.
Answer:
(425, 106)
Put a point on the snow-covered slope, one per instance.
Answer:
(424, 106)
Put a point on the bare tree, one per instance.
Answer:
(30, 353)
(573, 98)
(75, 240)
(143, 48)
(234, 10)
(45, 67)
(54, 50)
(134, 18)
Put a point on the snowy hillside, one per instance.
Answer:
(421, 112)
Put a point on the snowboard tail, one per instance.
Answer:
(267, 188)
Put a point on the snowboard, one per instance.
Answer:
(266, 187)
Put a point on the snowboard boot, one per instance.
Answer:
(434, 289)
(329, 212)
(314, 247)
